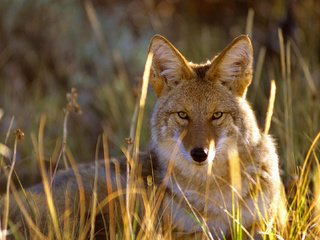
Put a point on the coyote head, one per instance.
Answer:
(201, 107)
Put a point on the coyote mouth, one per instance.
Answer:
(200, 163)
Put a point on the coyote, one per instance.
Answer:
(207, 153)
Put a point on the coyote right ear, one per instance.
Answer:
(169, 67)
(233, 66)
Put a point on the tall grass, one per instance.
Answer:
(302, 216)
(139, 209)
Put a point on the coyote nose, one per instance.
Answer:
(199, 155)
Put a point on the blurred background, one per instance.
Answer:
(99, 47)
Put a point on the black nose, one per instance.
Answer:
(198, 155)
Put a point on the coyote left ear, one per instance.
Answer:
(169, 67)
(233, 66)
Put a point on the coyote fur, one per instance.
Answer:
(206, 151)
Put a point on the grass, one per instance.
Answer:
(302, 209)
(295, 123)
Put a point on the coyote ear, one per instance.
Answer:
(233, 66)
(169, 67)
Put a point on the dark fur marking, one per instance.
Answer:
(201, 70)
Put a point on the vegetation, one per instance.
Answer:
(48, 47)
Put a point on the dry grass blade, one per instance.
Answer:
(95, 24)
(270, 107)
(316, 184)
(18, 135)
(82, 198)
(258, 72)
(109, 187)
(133, 157)
(45, 181)
(9, 130)
(236, 186)
(285, 61)
(312, 147)
(282, 54)
(306, 70)
(234, 169)
(144, 89)
(211, 155)
(249, 24)
(93, 212)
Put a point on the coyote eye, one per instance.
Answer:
(217, 115)
(183, 115)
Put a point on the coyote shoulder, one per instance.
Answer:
(207, 153)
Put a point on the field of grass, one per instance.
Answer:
(70, 86)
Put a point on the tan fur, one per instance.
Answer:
(201, 91)
(220, 87)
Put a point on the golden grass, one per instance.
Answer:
(303, 216)
(270, 107)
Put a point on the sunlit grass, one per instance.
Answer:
(303, 210)
(139, 215)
